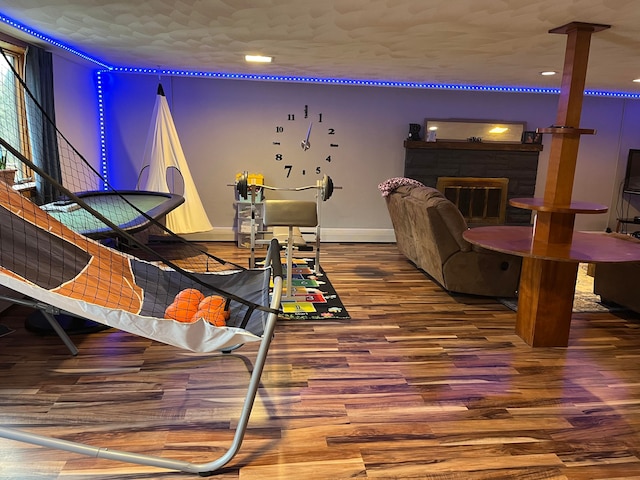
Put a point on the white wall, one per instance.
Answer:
(228, 126)
(76, 104)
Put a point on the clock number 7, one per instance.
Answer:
(288, 168)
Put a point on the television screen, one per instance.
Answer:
(632, 178)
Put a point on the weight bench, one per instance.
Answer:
(292, 214)
(288, 215)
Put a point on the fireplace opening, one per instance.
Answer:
(481, 200)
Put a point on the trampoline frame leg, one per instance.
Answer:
(48, 313)
(203, 469)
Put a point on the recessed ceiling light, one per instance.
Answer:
(548, 73)
(258, 58)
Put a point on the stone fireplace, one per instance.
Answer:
(518, 163)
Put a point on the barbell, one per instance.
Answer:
(325, 186)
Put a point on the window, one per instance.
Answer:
(13, 122)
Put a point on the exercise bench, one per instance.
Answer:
(292, 214)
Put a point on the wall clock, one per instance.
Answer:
(305, 142)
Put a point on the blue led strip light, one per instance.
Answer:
(33, 33)
(332, 81)
(365, 83)
(103, 133)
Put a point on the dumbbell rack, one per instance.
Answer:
(245, 189)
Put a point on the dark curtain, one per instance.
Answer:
(42, 131)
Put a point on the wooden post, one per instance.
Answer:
(547, 286)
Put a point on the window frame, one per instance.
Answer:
(17, 51)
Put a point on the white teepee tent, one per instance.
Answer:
(163, 151)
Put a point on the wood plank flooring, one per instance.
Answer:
(418, 384)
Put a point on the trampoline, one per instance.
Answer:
(122, 208)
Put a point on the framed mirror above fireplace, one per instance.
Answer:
(476, 130)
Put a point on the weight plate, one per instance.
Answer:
(242, 186)
(327, 188)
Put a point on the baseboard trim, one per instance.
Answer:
(346, 235)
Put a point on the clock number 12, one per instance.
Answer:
(306, 114)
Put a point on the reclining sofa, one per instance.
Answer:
(428, 230)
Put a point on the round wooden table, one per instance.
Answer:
(549, 272)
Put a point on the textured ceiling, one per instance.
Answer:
(488, 42)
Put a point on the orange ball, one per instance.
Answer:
(181, 311)
(190, 295)
(212, 309)
(184, 306)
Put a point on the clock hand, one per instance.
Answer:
(305, 144)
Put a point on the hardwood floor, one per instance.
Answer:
(418, 384)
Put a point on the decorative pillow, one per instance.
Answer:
(388, 186)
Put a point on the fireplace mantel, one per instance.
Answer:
(501, 147)
(427, 161)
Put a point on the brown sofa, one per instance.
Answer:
(428, 230)
(616, 282)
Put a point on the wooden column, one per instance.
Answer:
(547, 286)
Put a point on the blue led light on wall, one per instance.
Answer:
(103, 134)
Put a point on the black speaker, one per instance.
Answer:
(414, 131)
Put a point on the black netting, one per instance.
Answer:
(67, 235)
